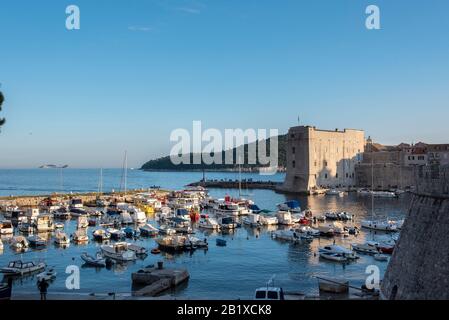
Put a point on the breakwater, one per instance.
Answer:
(235, 184)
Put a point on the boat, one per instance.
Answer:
(48, 275)
(97, 261)
(138, 250)
(148, 230)
(284, 218)
(227, 223)
(195, 242)
(116, 234)
(44, 223)
(25, 227)
(37, 242)
(76, 203)
(386, 247)
(255, 209)
(155, 251)
(20, 268)
(221, 242)
(368, 248)
(335, 192)
(268, 220)
(252, 220)
(61, 238)
(119, 252)
(92, 222)
(333, 285)
(131, 214)
(6, 227)
(364, 192)
(5, 290)
(331, 216)
(101, 235)
(78, 212)
(166, 230)
(344, 216)
(125, 217)
(337, 257)
(380, 257)
(208, 223)
(172, 243)
(82, 222)
(309, 231)
(80, 236)
(61, 214)
(269, 293)
(349, 254)
(183, 214)
(292, 206)
(332, 229)
(379, 225)
(130, 232)
(226, 209)
(19, 242)
(288, 235)
(59, 225)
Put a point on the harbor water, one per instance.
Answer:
(250, 258)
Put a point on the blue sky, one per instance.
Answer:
(138, 69)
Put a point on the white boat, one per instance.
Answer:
(125, 217)
(208, 223)
(148, 230)
(226, 209)
(379, 225)
(335, 192)
(19, 242)
(138, 250)
(380, 257)
(172, 243)
(61, 214)
(166, 230)
(43, 223)
(116, 234)
(101, 235)
(59, 225)
(37, 241)
(118, 251)
(196, 242)
(331, 229)
(338, 249)
(97, 261)
(78, 212)
(309, 231)
(292, 206)
(20, 268)
(284, 218)
(131, 214)
(252, 220)
(76, 203)
(227, 223)
(6, 227)
(364, 192)
(337, 257)
(369, 248)
(287, 235)
(80, 236)
(82, 222)
(61, 238)
(268, 221)
(48, 275)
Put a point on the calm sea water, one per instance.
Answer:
(248, 261)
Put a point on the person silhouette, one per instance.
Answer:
(43, 286)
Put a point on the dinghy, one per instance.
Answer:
(48, 275)
(97, 261)
(61, 238)
(118, 252)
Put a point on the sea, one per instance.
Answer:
(250, 260)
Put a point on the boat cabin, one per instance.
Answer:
(269, 293)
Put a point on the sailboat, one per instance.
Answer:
(101, 202)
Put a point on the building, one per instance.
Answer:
(322, 158)
(438, 153)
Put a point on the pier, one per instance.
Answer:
(235, 184)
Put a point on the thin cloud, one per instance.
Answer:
(189, 10)
(139, 29)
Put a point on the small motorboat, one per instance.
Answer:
(221, 242)
(337, 257)
(330, 249)
(101, 235)
(333, 285)
(19, 242)
(380, 257)
(61, 238)
(148, 230)
(97, 261)
(59, 225)
(48, 275)
(331, 216)
(116, 234)
(166, 230)
(195, 242)
(20, 268)
(37, 242)
(80, 236)
(138, 250)
(118, 252)
(367, 248)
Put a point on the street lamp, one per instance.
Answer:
(53, 166)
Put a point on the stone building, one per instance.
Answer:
(322, 158)
(418, 269)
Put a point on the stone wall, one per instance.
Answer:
(419, 267)
(386, 176)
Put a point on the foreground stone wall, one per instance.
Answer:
(419, 267)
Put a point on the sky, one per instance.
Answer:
(136, 70)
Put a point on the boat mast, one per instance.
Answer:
(100, 183)
(126, 170)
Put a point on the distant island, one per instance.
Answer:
(165, 163)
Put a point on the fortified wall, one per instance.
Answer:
(419, 267)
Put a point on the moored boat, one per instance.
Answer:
(119, 252)
(20, 268)
(97, 261)
(101, 235)
(148, 230)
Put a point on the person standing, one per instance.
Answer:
(43, 286)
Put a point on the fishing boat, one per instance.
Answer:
(47, 275)
(101, 235)
(379, 225)
(148, 230)
(19, 242)
(20, 268)
(80, 236)
(208, 223)
(337, 257)
(368, 248)
(227, 223)
(119, 252)
(61, 238)
(116, 234)
(82, 222)
(166, 230)
(252, 220)
(44, 223)
(138, 250)
(172, 243)
(292, 206)
(339, 250)
(6, 227)
(37, 242)
(97, 261)
(287, 235)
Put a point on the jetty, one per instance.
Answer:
(236, 184)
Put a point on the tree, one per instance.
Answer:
(2, 98)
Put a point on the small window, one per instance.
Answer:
(260, 295)
(325, 163)
(336, 175)
(325, 176)
(293, 163)
(272, 295)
